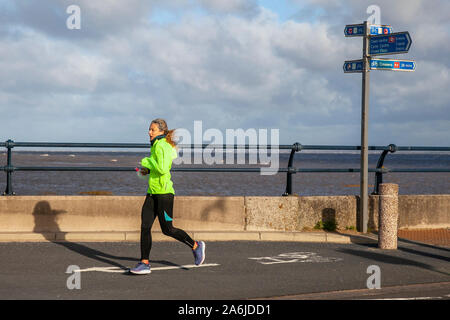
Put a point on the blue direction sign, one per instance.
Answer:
(357, 30)
(354, 30)
(353, 66)
(392, 64)
(378, 29)
(393, 43)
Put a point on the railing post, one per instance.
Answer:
(295, 148)
(379, 174)
(9, 169)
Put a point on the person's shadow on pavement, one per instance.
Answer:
(46, 223)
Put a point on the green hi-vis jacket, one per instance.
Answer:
(159, 163)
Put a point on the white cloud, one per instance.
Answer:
(98, 18)
(35, 63)
(235, 66)
(243, 7)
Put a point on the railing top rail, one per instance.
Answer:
(221, 169)
(424, 148)
(219, 146)
(80, 145)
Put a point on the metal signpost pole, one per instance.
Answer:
(364, 173)
(377, 40)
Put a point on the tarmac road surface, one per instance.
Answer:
(232, 270)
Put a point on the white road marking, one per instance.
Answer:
(292, 257)
(413, 298)
(120, 270)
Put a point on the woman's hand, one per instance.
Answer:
(144, 171)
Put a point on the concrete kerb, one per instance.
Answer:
(133, 236)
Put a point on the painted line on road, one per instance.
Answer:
(413, 298)
(292, 257)
(121, 270)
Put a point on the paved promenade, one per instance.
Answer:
(440, 237)
(232, 270)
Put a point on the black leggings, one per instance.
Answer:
(161, 206)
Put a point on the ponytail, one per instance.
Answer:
(170, 137)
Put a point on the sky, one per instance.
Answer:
(232, 64)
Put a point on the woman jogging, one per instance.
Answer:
(160, 196)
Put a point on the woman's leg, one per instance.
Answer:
(148, 215)
(164, 210)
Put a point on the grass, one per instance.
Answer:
(330, 225)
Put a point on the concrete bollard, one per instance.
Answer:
(388, 216)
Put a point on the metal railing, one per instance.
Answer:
(290, 170)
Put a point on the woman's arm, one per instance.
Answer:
(159, 161)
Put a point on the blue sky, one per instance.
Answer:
(284, 9)
(228, 63)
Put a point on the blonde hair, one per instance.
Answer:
(162, 125)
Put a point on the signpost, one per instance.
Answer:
(377, 40)
(364, 173)
(392, 64)
(353, 66)
(393, 43)
(357, 66)
(357, 30)
(377, 29)
(354, 30)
